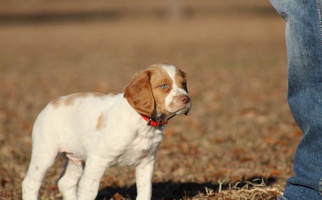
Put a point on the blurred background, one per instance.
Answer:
(233, 52)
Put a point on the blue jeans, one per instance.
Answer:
(304, 51)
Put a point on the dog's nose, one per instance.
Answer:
(185, 99)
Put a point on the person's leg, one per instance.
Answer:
(304, 50)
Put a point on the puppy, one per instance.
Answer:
(96, 131)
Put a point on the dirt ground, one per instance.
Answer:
(238, 140)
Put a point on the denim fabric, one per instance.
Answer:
(304, 51)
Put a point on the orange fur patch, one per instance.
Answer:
(70, 99)
(139, 93)
(180, 78)
(56, 102)
(100, 122)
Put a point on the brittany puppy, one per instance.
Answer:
(96, 131)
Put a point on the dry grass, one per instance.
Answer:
(239, 129)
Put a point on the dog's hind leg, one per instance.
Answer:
(42, 157)
(68, 181)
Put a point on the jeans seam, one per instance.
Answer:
(319, 7)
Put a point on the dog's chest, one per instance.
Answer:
(143, 146)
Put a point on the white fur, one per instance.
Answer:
(103, 131)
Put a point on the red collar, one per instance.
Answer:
(153, 123)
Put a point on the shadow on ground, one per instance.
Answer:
(171, 190)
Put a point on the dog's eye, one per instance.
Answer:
(184, 84)
(164, 86)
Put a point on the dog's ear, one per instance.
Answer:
(139, 93)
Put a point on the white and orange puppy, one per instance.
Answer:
(97, 131)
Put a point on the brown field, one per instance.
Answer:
(237, 142)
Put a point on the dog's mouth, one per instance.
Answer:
(184, 110)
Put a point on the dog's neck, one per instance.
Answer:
(156, 119)
(154, 122)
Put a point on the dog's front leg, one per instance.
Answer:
(144, 173)
(94, 169)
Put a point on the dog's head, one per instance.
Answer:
(160, 89)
